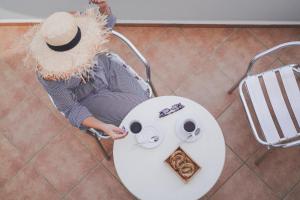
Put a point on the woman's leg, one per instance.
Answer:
(123, 94)
(119, 79)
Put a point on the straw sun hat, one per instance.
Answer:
(64, 44)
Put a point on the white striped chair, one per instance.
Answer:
(272, 102)
(145, 84)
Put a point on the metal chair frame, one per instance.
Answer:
(99, 135)
(283, 142)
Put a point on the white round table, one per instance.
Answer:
(145, 173)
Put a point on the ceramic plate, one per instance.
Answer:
(149, 137)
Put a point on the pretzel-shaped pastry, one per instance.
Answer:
(187, 170)
(177, 159)
(181, 163)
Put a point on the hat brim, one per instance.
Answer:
(78, 60)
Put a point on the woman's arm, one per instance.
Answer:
(103, 6)
(78, 115)
(111, 130)
(105, 9)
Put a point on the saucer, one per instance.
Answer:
(149, 137)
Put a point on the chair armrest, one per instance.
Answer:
(292, 144)
(98, 134)
(136, 52)
(269, 51)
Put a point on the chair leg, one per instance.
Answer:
(105, 153)
(236, 85)
(153, 89)
(262, 157)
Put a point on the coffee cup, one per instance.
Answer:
(135, 127)
(189, 126)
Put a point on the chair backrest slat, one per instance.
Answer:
(261, 109)
(278, 104)
(292, 90)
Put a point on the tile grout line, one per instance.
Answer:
(225, 109)
(87, 150)
(245, 162)
(209, 57)
(147, 46)
(20, 103)
(86, 147)
(26, 162)
(117, 177)
(253, 153)
(88, 173)
(227, 179)
(291, 190)
(33, 93)
(230, 78)
(119, 181)
(47, 181)
(280, 60)
(64, 195)
(153, 44)
(242, 164)
(46, 144)
(262, 43)
(157, 76)
(263, 181)
(12, 143)
(186, 76)
(212, 56)
(257, 38)
(231, 149)
(179, 29)
(84, 176)
(222, 43)
(48, 108)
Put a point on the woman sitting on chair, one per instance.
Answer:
(90, 86)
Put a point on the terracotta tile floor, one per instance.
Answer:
(43, 157)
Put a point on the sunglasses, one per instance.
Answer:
(167, 111)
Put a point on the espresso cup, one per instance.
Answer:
(189, 126)
(135, 127)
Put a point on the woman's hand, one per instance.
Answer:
(103, 6)
(114, 132)
(109, 129)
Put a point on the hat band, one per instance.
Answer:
(69, 45)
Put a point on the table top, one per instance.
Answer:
(145, 173)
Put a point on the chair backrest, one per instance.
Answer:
(145, 86)
(282, 98)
